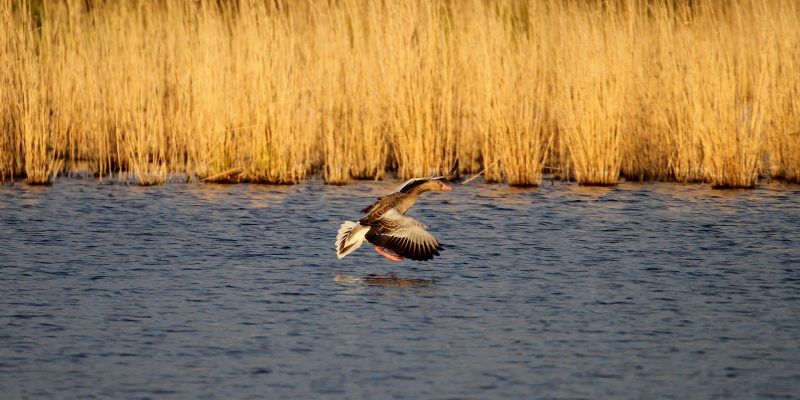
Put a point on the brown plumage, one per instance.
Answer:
(385, 224)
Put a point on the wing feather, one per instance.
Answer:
(405, 236)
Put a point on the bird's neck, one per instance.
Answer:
(417, 191)
(408, 201)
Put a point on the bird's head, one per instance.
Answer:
(433, 185)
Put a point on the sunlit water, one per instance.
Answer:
(642, 291)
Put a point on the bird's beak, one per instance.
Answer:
(446, 188)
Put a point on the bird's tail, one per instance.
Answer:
(351, 235)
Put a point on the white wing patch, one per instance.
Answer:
(350, 236)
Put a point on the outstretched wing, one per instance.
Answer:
(382, 205)
(405, 236)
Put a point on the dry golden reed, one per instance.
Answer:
(275, 92)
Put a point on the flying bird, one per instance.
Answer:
(386, 226)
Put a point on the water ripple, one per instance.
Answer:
(639, 291)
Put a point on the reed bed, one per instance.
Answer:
(275, 92)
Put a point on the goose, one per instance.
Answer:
(385, 225)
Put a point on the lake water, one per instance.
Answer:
(206, 291)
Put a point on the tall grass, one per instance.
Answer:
(274, 92)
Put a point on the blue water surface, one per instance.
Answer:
(562, 291)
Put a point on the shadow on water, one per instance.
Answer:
(384, 280)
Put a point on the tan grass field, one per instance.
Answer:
(277, 91)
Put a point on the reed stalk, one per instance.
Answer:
(689, 91)
(592, 87)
